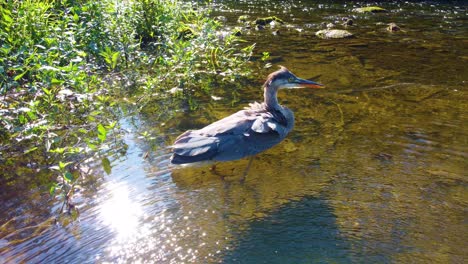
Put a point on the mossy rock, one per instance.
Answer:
(267, 20)
(243, 19)
(370, 9)
(289, 146)
(333, 34)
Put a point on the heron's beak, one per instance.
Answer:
(309, 84)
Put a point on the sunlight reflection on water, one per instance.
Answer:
(159, 239)
(148, 222)
(120, 213)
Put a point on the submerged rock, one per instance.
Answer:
(370, 9)
(392, 27)
(333, 34)
(259, 27)
(267, 20)
(289, 146)
(347, 22)
(221, 18)
(323, 25)
(243, 19)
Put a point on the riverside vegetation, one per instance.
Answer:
(68, 67)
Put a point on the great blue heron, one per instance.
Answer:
(245, 133)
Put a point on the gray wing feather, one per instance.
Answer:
(194, 145)
(264, 123)
(233, 124)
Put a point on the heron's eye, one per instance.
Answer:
(291, 79)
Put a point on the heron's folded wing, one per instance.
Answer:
(193, 145)
(235, 124)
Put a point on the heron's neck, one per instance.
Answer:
(270, 95)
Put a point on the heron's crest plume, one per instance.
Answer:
(282, 73)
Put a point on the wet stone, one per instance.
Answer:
(392, 27)
(267, 20)
(333, 34)
(243, 19)
(289, 146)
(347, 22)
(370, 9)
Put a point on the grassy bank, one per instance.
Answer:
(64, 65)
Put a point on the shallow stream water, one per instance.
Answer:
(375, 170)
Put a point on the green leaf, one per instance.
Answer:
(31, 115)
(95, 113)
(106, 165)
(7, 18)
(56, 81)
(75, 150)
(81, 53)
(91, 145)
(52, 189)
(115, 57)
(30, 150)
(58, 150)
(102, 132)
(19, 76)
(22, 119)
(46, 91)
(111, 125)
(5, 49)
(63, 165)
(68, 176)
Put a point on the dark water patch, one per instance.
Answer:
(300, 232)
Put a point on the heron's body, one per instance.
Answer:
(235, 136)
(245, 133)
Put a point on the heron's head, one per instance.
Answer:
(283, 78)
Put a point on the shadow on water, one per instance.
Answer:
(304, 231)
